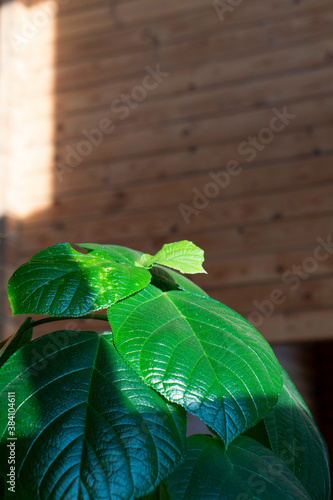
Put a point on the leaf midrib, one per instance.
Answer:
(201, 347)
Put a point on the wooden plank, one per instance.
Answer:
(313, 140)
(179, 17)
(241, 43)
(258, 237)
(235, 272)
(202, 104)
(164, 32)
(265, 299)
(132, 39)
(272, 34)
(227, 242)
(302, 326)
(307, 55)
(153, 197)
(143, 10)
(271, 92)
(69, 8)
(78, 23)
(203, 131)
(198, 162)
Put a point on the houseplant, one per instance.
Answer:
(102, 416)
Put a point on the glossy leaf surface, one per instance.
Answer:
(60, 281)
(87, 427)
(162, 277)
(181, 255)
(200, 354)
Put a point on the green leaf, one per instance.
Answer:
(162, 277)
(246, 471)
(182, 255)
(60, 281)
(166, 279)
(17, 340)
(86, 426)
(117, 253)
(296, 439)
(200, 354)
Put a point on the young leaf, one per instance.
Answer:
(182, 255)
(162, 277)
(60, 281)
(200, 354)
(17, 340)
(86, 425)
(246, 471)
(296, 439)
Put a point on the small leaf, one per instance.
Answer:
(60, 281)
(17, 340)
(246, 471)
(162, 277)
(198, 353)
(182, 255)
(86, 426)
(296, 439)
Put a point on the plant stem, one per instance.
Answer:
(102, 317)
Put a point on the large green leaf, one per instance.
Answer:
(162, 277)
(181, 255)
(246, 471)
(200, 354)
(87, 427)
(296, 439)
(60, 281)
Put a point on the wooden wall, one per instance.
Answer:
(223, 81)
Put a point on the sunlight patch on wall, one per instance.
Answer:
(30, 54)
(5, 15)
